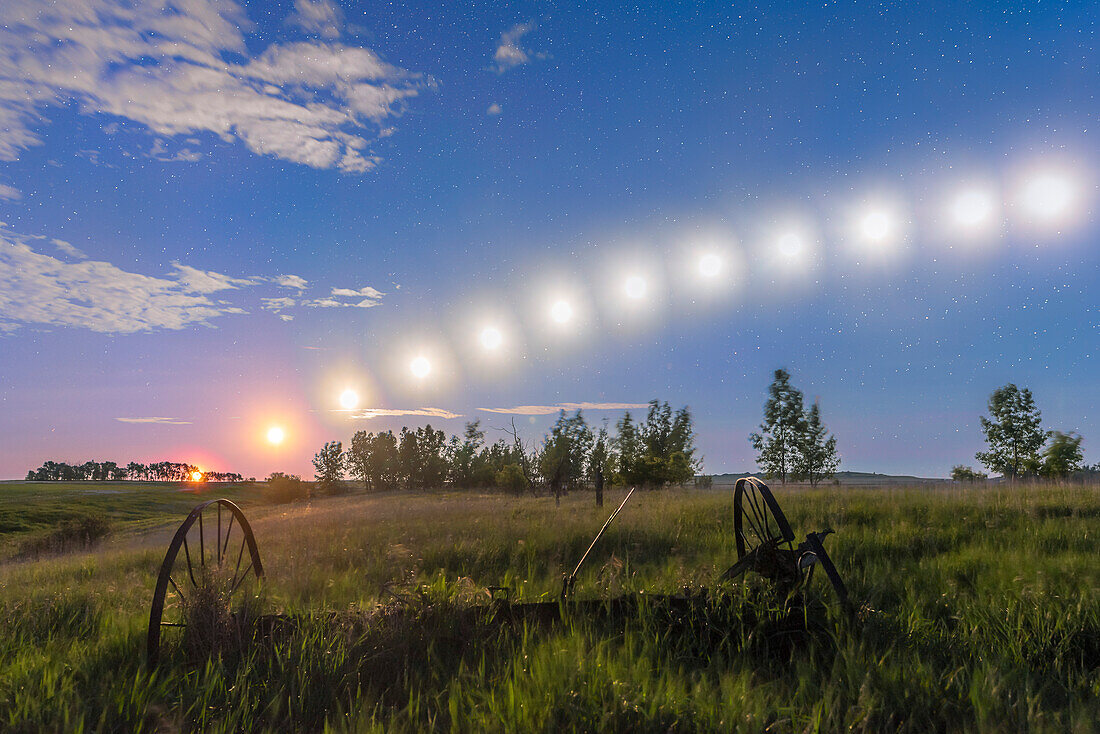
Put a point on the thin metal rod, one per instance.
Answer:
(228, 531)
(572, 577)
(237, 582)
(190, 570)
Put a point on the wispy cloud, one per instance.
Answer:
(365, 291)
(321, 17)
(40, 289)
(71, 290)
(368, 413)
(367, 297)
(156, 419)
(206, 281)
(510, 53)
(552, 409)
(10, 193)
(291, 281)
(163, 65)
(69, 249)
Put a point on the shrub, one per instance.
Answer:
(284, 488)
(962, 473)
(512, 479)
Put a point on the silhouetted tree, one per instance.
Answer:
(564, 456)
(329, 465)
(816, 456)
(1012, 432)
(1063, 456)
(962, 473)
(784, 422)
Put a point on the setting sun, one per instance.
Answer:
(275, 435)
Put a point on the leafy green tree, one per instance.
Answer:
(372, 458)
(465, 456)
(564, 456)
(1012, 432)
(511, 478)
(962, 473)
(422, 457)
(1063, 456)
(600, 466)
(329, 465)
(777, 443)
(627, 450)
(816, 457)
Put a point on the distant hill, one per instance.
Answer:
(848, 478)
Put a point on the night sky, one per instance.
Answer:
(216, 219)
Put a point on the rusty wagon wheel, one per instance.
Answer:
(764, 537)
(201, 556)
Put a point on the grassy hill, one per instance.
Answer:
(981, 613)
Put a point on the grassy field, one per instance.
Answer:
(982, 614)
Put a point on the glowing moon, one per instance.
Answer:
(561, 312)
(349, 399)
(1048, 196)
(875, 226)
(710, 265)
(275, 435)
(790, 244)
(634, 287)
(491, 338)
(420, 367)
(973, 208)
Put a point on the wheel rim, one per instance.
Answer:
(215, 544)
(757, 519)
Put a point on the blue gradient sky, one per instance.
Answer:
(477, 162)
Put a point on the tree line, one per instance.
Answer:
(1019, 448)
(654, 452)
(110, 471)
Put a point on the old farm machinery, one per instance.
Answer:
(216, 549)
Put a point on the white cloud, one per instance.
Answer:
(278, 304)
(163, 64)
(161, 152)
(552, 409)
(206, 281)
(322, 17)
(509, 53)
(368, 413)
(10, 193)
(365, 291)
(69, 249)
(156, 419)
(291, 281)
(494, 109)
(40, 289)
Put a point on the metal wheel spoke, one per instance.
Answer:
(239, 556)
(202, 548)
(218, 545)
(177, 588)
(228, 531)
(761, 524)
(190, 568)
(237, 581)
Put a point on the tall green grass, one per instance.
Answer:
(982, 613)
